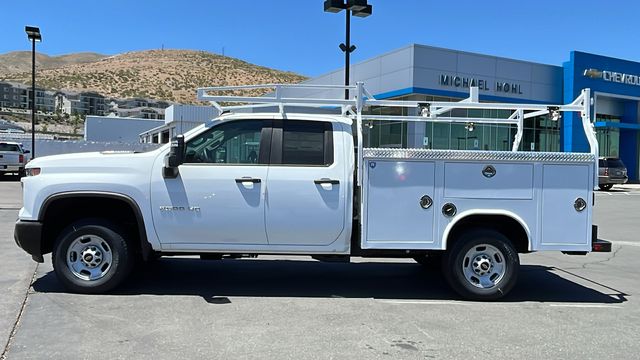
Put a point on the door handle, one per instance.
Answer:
(248, 179)
(326, 181)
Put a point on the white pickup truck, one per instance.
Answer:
(12, 158)
(295, 183)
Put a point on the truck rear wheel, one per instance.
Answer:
(92, 256)
(481, 265)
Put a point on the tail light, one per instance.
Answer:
(606, 171)
(21, 158)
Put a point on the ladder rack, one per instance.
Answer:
(432, 111)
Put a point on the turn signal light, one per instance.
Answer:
(606, 171)
(32, 171)
(21, 158)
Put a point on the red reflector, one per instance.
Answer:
(21, 158)
(597, 247)
(606, 171)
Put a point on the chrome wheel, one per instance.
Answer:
(484, 266)
(89, 257)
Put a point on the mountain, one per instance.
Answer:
(157, 74)
(20, 61)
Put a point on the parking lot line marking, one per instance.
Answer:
(625, 243)
(618, 194)
(587, 306)
(425, 302)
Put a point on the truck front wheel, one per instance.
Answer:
(92, 256)
(481, 265)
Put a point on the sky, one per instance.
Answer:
(299, 36)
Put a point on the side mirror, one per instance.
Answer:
(175, 157)
(27, 151)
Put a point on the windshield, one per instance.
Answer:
(615, 163)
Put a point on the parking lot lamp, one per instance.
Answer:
(33, 34)
(358, 8)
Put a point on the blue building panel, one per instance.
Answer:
(605, 75)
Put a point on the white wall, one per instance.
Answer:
(189, 113)
(117, 129)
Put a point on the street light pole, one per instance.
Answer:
(33, 98)
(347, 52)
(33, 34)
(358, 8)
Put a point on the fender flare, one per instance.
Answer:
(467, 213)
(145, 246)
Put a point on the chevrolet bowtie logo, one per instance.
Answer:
(593, 73)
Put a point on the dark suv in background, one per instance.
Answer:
(611, 171)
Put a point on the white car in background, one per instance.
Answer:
(12, 158)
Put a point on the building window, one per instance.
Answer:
(543, 133)
(165, 137)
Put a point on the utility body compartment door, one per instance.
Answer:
(563, 227)
(396, 216)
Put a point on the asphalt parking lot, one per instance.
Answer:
(570, 307)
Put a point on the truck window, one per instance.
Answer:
(307, 143)
(237, 142)
(9, 147)
(615, 163)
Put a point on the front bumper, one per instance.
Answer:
(28, 236)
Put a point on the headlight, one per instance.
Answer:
(32, 171)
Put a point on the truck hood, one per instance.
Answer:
(96, 162)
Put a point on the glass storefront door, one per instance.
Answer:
(608, 137)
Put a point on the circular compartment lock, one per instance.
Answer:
(372, 164)
(426, 202)
(449, 210)
(580, 204)
(489, 171)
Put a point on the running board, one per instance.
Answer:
(332, 258)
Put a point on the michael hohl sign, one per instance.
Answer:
(613, 76)
(482, 84)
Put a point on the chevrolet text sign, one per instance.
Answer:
(613, 76)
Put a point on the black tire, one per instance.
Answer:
(605, 187)
(115, 271)
(456, 260)
(429, 261)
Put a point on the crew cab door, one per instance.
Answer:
(306, 185)
(218, 196)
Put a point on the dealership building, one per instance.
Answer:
(426, 73)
